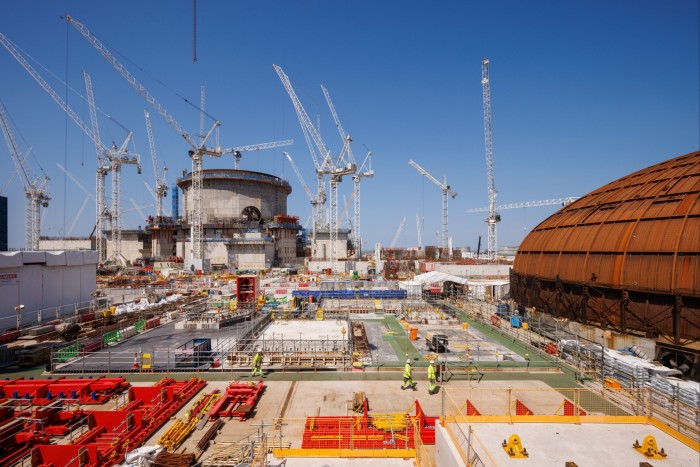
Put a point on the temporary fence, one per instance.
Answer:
(548, 405)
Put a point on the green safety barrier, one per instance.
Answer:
(67, 353)
(140, 325)
(111, 336)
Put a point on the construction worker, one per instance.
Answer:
(257, 363)
(407, 380)
(432, 379)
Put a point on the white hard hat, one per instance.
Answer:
(408, 360)
(432, 362)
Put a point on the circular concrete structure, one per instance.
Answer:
(625, 257)
(232, 196)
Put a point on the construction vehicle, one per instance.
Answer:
(436, 342)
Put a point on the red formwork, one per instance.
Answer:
(363, 431)
(238, 400)
(67, 455)
(112, 433)
(84, 391)
(16, 442)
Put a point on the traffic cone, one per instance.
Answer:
(136, 360)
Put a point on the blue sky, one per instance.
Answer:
(582, 93)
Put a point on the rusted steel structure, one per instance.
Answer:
(625, 257)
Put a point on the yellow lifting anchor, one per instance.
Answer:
(649, 448)
(514, 447)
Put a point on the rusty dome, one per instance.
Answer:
(625, 257)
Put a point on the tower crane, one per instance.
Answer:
(314, 202)
(340, 168)
(35, 189)
(160, 176)
(493, 216)
(395, 238)
(336, 169)
(105, 155)
(446, 193)
(197, 151)
(529, 204)
(237, 151)
(115, 158)
(365, 171)
(311, 133)
(420, 241)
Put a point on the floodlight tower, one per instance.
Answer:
(493, 217)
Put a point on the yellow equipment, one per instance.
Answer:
(649, 448)
(514, 447)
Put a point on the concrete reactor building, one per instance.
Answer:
(245, 221)
(624, 259)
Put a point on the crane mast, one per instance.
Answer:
(362, 172)
(106, 157)
(314, 202)
(420, 241)
(160, 177)
(493, 216)
(395, 238)
(198, 151)
(115, 157)
(446, 194)
(36, 191)
(339, 168)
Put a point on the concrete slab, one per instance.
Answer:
(481, 348)
(588, 445)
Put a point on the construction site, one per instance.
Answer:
(227, 333)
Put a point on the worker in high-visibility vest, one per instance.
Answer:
(257, 363)
(432, 379)
(407, 380)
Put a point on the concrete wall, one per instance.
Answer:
(475, 270)
(226, 199)
(446, 453)
(321, 248)
(63, 244)
(40, 280)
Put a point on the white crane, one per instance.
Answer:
(446, 193)
(314, 202)
(420, 241)
(35, 189)
(340, 167)
(395, 238)
(114, 158)
(529, 204)
(197, 151)
(365, 171)
(237, 151)
(493, 216)
(105, 156)
(335, 168)
(91, 197)
(311, 133)
(161, 176)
